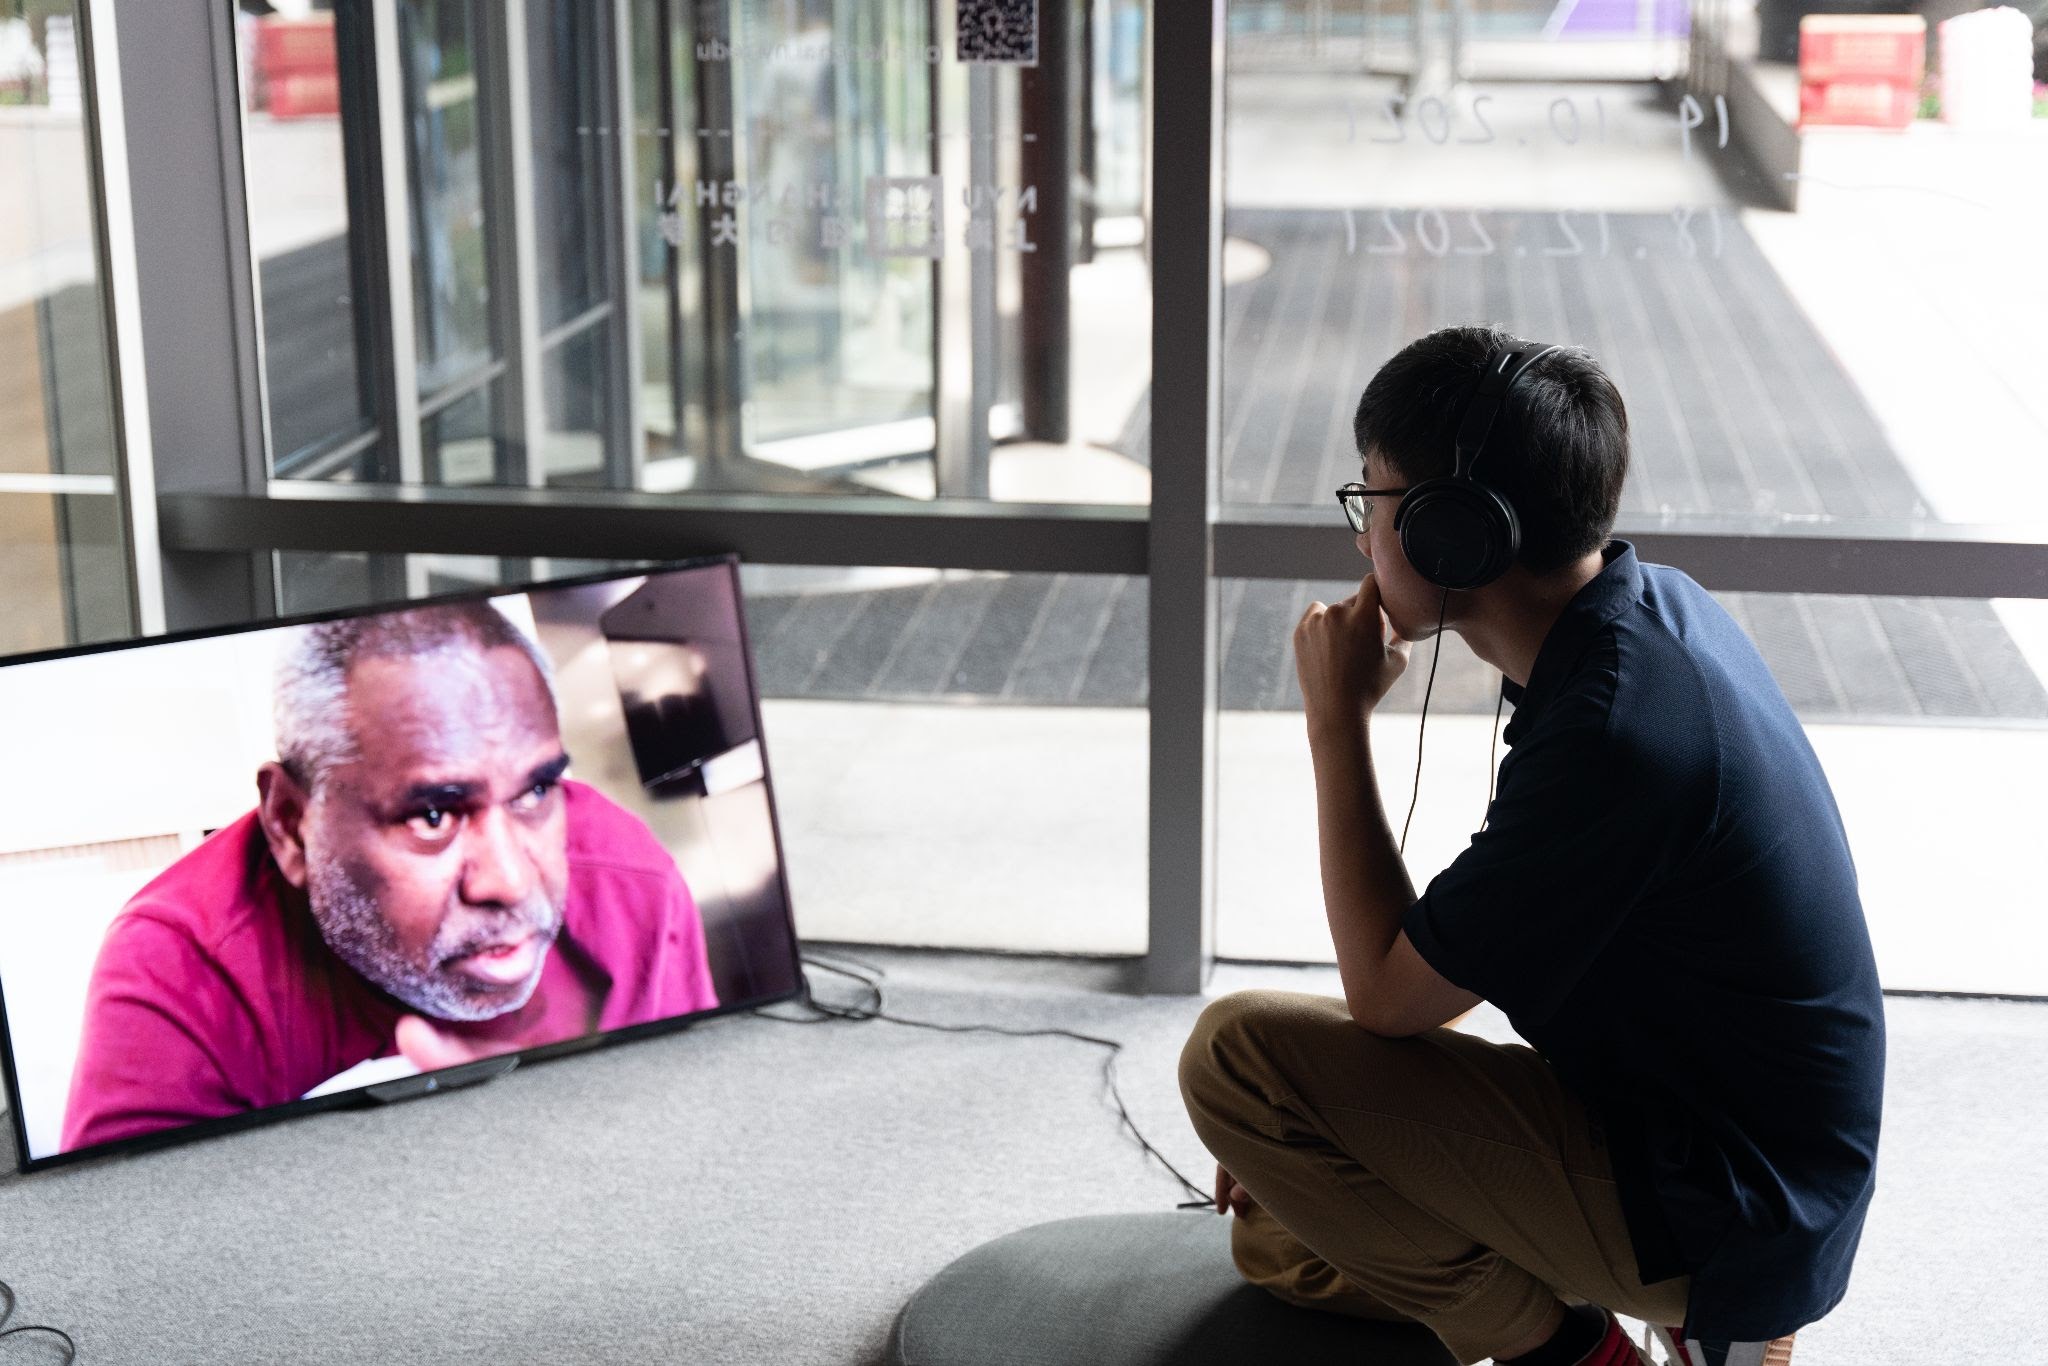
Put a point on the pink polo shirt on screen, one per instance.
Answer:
(214, 993)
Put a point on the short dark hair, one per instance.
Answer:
(1559, 453)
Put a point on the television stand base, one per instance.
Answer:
(447, 1079)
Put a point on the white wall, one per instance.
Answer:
(134, 743)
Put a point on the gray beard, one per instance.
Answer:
(356, 930)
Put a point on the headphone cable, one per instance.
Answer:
(1493, 749)
(1435, 655)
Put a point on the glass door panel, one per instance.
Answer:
(64, 566)
(315, 276)
(831, 105)
(452, 270)
(570, 50)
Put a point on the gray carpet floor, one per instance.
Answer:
(754, 1192)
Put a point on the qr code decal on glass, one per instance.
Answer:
(998, 31)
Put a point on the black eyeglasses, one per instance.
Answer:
(1359, 512)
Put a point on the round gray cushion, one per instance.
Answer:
(1130, 1290)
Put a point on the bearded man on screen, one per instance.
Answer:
(419, 881)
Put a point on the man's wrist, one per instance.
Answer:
(1344, 730)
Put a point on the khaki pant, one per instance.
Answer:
(1439, 1178)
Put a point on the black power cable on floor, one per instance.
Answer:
(871, 979)
(7, 1312)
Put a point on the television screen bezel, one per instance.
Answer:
(358, 1096)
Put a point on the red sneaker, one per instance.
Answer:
(1776, 1352)
(1615, 1349)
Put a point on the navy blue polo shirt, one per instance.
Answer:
(1663, 904)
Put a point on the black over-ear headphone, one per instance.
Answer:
(1457, 532)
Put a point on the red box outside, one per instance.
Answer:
(295, 47)
(300, 97)
(1861, 70)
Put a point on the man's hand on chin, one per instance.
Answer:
(1347, 657)
(427, 1045)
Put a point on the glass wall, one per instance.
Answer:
(933, 732)
(312, 232)
(1929, 715)
(1783, 297)
(457, 274)
(839, 325)
(803, 247)
(309, 582)
(570, 47)
(959, 758)
(1116, 117)
(64, 561)
(761, 246)
(1803, 340)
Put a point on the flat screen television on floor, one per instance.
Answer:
(253, 872)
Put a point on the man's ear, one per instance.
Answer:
(281, 809)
